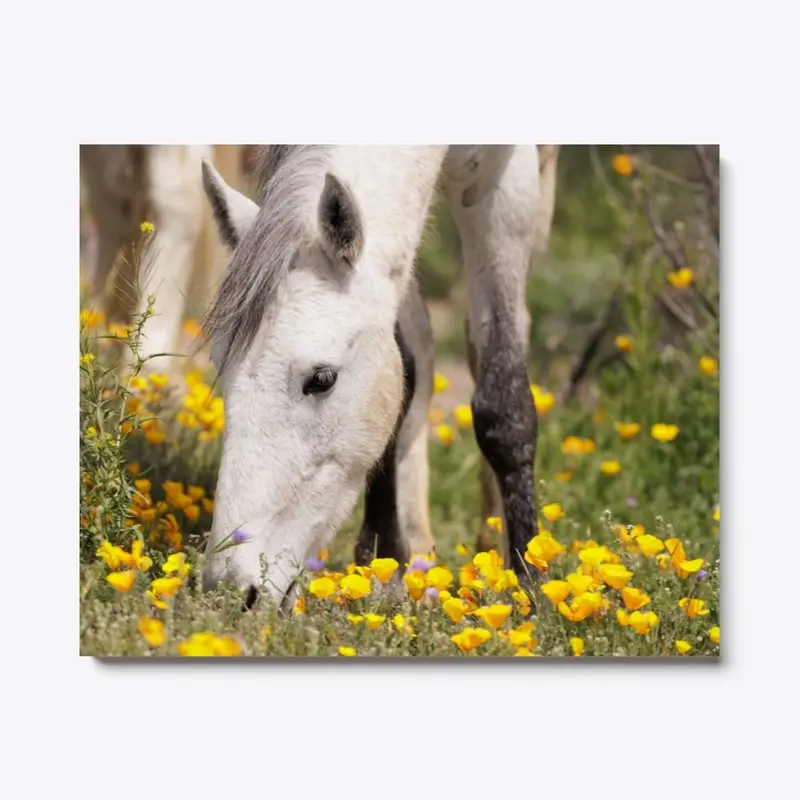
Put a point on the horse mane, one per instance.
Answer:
(290, 180)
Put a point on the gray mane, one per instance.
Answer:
(290, 179)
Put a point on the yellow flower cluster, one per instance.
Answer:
(432, 583)
(114, 557)
(484, 600)
(91, 319)
(176, 570)
(190, 502)
(201, 409)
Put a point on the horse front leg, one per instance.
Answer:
(176, 194)
(382, 535)
(494, 194)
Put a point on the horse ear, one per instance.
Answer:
(234, 213)
(340, 221)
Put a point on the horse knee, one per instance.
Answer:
(503, 411)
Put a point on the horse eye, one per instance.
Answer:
(320, 381)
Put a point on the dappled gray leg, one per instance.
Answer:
(494, 194)
(505, 428)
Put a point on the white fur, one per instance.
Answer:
(177, 196)
(293, 465)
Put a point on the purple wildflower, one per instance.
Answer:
(702, 574)
(240, 537)
(420, 563)
(632, 502)
(315, 564)
(432, 592)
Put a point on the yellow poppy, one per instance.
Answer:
(178, 564)
(439, 578)
(681, 278)
(165, 586)
(624, 343)
(556, 591)
(543, 400)
(709, 365)
(615, 575)
(634, 598)
(577, 445)
(552, 512)
(643, 623)
(649, 545)
(462, 414)
(152, 630)
(402, 624)
(623, 164)
(494, 615)
(694, 607)
(445, 434)
(663, 432)
(579, 584)
(627, 430)
(495, 523)
(383, 568)
(415, 583)
(322, 588)
(374, 620)
(122, 581)
(470, 638)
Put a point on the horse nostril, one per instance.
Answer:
(250, 598)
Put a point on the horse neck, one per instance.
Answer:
(393, 187)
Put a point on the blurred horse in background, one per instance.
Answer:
(125, 185)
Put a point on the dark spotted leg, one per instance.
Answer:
(491, 501)
(493, 194)
(380, 535)
(505, 428)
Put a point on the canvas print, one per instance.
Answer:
(361, 401)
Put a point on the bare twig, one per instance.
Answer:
(711, 180)
(614, 195)
(581, 368)
(679, 314)
(673, 249)
(669, 176)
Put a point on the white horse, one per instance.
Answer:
(125, 185)
(323, 347)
